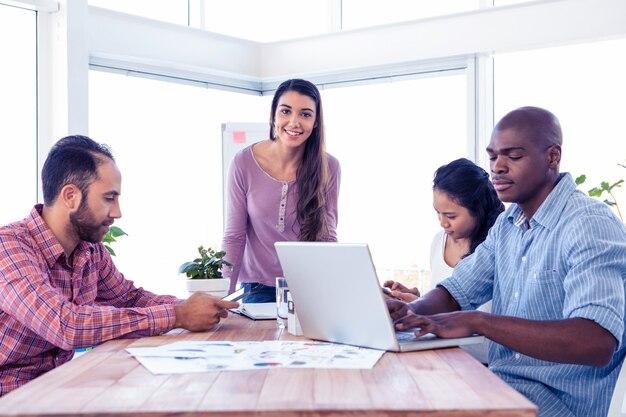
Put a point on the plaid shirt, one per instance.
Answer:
(49, 307)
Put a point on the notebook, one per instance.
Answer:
(257, 311)
(338, 298)
(254, 311)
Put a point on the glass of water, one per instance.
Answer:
(281, 302)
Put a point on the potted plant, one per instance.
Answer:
(205, 273)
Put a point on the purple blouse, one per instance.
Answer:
(262, 210)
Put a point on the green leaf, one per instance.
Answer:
(609, 203)
(595, 192)
(581, 179)
(616, 184)
(117, 232)
(110, 236)
(108, 239)
(188, 267)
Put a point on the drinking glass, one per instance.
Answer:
(281, 302)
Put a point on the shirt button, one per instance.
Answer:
(516, 295)
(524, 258)
(517, 356)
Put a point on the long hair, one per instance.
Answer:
(469, 185)
(72, 160)
(312, 175)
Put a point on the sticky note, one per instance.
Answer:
(239, 136)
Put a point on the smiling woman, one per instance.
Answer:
(282, 189)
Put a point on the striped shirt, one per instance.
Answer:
(568, 261)
(48, 307)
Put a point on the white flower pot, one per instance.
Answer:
(217, 287)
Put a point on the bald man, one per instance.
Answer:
(554, 265)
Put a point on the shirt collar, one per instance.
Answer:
(46, 241)
(550, 210)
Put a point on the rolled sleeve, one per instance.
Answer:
(605, 317)
(162, 319)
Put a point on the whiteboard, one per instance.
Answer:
(235, 137)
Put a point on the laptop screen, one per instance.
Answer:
(337, 293)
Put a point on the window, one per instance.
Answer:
(261, 21)
(18, 102)
(269, 20)
(584, 86)
(167, 141)
(171, 11)
(389, 139)
(364, 13)
(166, 138)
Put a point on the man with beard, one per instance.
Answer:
(59, 289)
(554, 264)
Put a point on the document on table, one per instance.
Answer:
(204, 356)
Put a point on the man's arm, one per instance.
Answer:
(435, 301)
(28, 297)
(234, 239)
(576, 340)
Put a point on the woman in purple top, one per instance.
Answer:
(284, 188)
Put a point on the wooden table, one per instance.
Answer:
(107, 381)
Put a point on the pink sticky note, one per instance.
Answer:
(239, 137)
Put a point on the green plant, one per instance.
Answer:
(207, 266)
(109, 238)
(605, 187)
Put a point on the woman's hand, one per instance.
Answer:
(401, 292)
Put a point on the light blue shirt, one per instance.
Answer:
(570, 262)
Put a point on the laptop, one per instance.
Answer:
(338, 298)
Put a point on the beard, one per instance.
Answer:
(85, 224)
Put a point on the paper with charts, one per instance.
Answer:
(204, 356)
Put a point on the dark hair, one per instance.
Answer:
(72, 160)
(312, 175)
(469, 185)
(535, 123)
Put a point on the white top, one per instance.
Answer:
(439, 269)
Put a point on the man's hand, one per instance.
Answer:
(397, 309)
(398, 290)
(200, 312)
(454, 324)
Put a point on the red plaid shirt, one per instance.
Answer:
(49, 308)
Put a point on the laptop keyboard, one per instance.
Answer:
(409, 335)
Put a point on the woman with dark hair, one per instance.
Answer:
(284, 188)
(467, 206)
